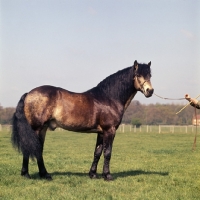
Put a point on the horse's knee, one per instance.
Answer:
(107, 154)
(98, 151)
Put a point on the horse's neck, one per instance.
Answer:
(122, 94)
(118, 86)
(129, 100)
(127, 96)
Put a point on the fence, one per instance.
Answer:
(144, 128)
(8, 127)
(5, 127)
(158, 128)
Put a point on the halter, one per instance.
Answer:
(141, 85)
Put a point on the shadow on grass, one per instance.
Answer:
(115, 175)
(137, 173)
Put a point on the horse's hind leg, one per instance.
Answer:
(40, 161)
(97, 155)
(24, 171)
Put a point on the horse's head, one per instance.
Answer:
(142, 76)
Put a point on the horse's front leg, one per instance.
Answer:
(97, 155)
(108, 139)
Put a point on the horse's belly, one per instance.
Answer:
(76, 120)
(77, 124)
(80, 128)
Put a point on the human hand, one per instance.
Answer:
(194, 101)
(187, 97)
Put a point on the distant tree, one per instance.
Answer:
(136, 122)
(154, 114)
(6, 115)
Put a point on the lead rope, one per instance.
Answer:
(195, 138)
(168, 98)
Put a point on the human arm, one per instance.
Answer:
(193, 102)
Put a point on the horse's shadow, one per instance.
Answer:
(115, 174)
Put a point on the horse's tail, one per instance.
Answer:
(24, 138)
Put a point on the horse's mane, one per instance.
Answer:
(117, 86)
(118, 79)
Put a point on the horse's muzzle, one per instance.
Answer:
(149, 92)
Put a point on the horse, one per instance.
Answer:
(98, 110)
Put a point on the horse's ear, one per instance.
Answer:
(135, 65)
(149, 63)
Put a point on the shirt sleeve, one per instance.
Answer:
(196, 105)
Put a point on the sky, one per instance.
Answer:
(76, 44)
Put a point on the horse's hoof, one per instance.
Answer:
(92, 175)
(107, 177)
(26, 175)
(46, 176)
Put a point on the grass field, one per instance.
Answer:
(143, 165)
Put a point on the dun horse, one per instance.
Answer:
(98, 110)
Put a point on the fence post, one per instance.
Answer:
(171, 129)
(159, 130)
(0, 127)
(122, 128)
(147, 128)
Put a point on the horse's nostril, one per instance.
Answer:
(151, 91)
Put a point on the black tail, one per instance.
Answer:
(24, 137)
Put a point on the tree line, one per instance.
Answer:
(159, 114)
(151, 114)
(6, 115)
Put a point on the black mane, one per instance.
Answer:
(118, 79)
(118, 86)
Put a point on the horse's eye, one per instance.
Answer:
(138, 75)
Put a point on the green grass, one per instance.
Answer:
(143, 165)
